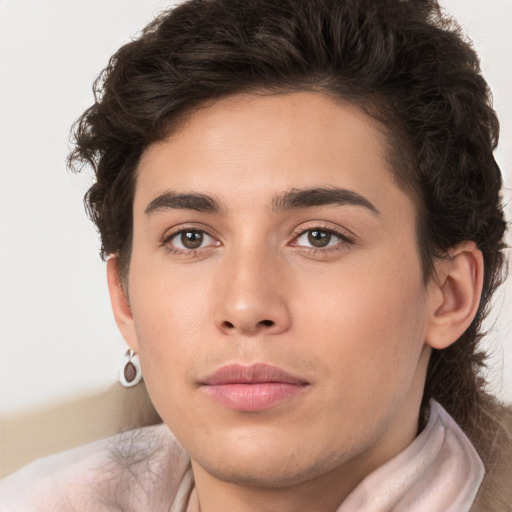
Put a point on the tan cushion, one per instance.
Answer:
(34, 434)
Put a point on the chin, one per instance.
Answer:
(271, 473)
(269, 465)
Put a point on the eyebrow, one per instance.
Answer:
(295, 199)
(308, 198)
(189, 201)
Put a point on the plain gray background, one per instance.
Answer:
(58, 340)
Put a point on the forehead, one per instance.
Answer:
(250, 147)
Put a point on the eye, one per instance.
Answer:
(190, 239)
(320, 238)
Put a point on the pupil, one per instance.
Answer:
(191, 239)
(319, 238)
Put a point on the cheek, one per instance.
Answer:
(169, 305)
(170, 318)
(368, 325)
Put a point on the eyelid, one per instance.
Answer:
(341, 232)
(186, 226)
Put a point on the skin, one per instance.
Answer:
(354, 319)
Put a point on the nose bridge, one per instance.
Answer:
(252, 294)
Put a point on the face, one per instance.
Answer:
(275, 289)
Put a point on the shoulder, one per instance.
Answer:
(495, 494)
(128, 471)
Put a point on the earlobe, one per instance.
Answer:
(120, 304)
(454, 296)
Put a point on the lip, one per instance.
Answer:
(252, 388)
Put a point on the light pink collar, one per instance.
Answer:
(440, 471)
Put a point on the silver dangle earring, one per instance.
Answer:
(130, 373)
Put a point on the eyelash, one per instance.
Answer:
(344, 241)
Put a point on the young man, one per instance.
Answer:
(300, 210)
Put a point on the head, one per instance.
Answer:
(407, 85)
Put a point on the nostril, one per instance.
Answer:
(262, 323)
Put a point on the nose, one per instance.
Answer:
(252, 295)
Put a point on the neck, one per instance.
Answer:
(324, 494)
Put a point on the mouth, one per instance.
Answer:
(252, 388)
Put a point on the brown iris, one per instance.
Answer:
(319, 238)
(192, 239)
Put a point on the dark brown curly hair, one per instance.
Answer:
(402, 61)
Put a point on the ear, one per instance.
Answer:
(454, 295)
(121, 304)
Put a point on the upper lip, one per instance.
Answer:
(254, 374)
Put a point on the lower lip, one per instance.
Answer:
(253, 397)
